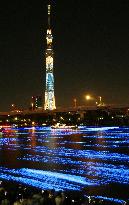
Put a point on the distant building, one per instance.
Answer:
(36, 102)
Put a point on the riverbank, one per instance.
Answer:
(13, 194)
(103, 116)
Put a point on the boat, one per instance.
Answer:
(63, 126)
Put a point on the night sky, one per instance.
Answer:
(91, 46)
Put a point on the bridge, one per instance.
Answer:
(78, 109)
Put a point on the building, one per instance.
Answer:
(36, 102)
(49, 90)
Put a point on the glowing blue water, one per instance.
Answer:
(65, 159)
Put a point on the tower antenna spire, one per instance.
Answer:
(49, 14)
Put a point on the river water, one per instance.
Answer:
(88, 159)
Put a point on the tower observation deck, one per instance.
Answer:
(49, 90)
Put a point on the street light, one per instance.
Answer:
(88, 97)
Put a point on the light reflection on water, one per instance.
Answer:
(65, 159)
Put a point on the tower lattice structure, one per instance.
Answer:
(49, 90)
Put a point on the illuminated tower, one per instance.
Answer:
(49, 91)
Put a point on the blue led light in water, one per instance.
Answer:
(87, 154)
(105, 172)
(45, 179)
(108, 199)
(97, 128)
(103, 137)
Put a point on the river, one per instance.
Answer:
(94, 160)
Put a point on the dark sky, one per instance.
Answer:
(91, 45)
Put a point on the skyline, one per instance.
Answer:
(91, 51)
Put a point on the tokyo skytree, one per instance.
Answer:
(49, 90)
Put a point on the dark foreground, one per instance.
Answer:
(12, 194)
